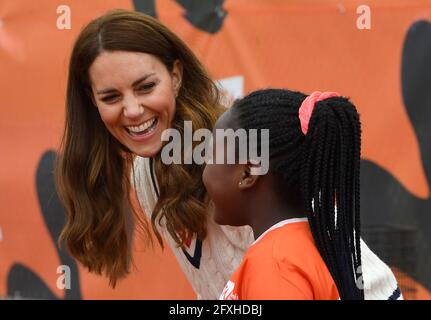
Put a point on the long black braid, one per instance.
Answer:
(321, 169)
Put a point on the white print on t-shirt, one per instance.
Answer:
(228, 293)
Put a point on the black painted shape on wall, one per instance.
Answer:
(416, 86)
(21, 279)
(383, 199)
(146, 6)
(207, 16)
(22, 282)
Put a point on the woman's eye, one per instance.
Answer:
(109, 99)
(113, 98)
(146, 87)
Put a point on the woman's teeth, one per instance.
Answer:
(143, 128)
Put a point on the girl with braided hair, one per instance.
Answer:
(305, 211)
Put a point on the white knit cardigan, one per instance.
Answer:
(209, 264)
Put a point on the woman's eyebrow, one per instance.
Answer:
(136, 82)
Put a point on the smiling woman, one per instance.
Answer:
(130, 78)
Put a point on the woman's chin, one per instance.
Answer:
(147, 154)
(147, 151)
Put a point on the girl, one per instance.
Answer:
(305, 211)
(130, 78)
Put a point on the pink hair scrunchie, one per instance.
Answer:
(308, 104)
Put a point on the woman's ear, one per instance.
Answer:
(177, 75)
(247, 179)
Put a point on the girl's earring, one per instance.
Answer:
(240, 183)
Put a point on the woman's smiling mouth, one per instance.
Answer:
(144, 130)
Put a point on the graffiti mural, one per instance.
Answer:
(386, 71)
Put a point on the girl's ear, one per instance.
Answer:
(247, 180)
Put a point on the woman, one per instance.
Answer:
(130, 78)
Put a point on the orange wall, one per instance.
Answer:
(269, 43)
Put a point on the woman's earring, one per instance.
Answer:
(240, 183)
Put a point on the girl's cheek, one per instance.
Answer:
(205, 177)
(208, 179)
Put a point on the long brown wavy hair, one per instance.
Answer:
(93, 169)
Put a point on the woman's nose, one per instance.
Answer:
(132, 108)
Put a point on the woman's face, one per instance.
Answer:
(135, 95)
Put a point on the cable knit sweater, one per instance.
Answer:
(209, 264)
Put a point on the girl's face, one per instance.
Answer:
(222, 181)
(135, 95)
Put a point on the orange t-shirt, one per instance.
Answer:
(283, 263)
